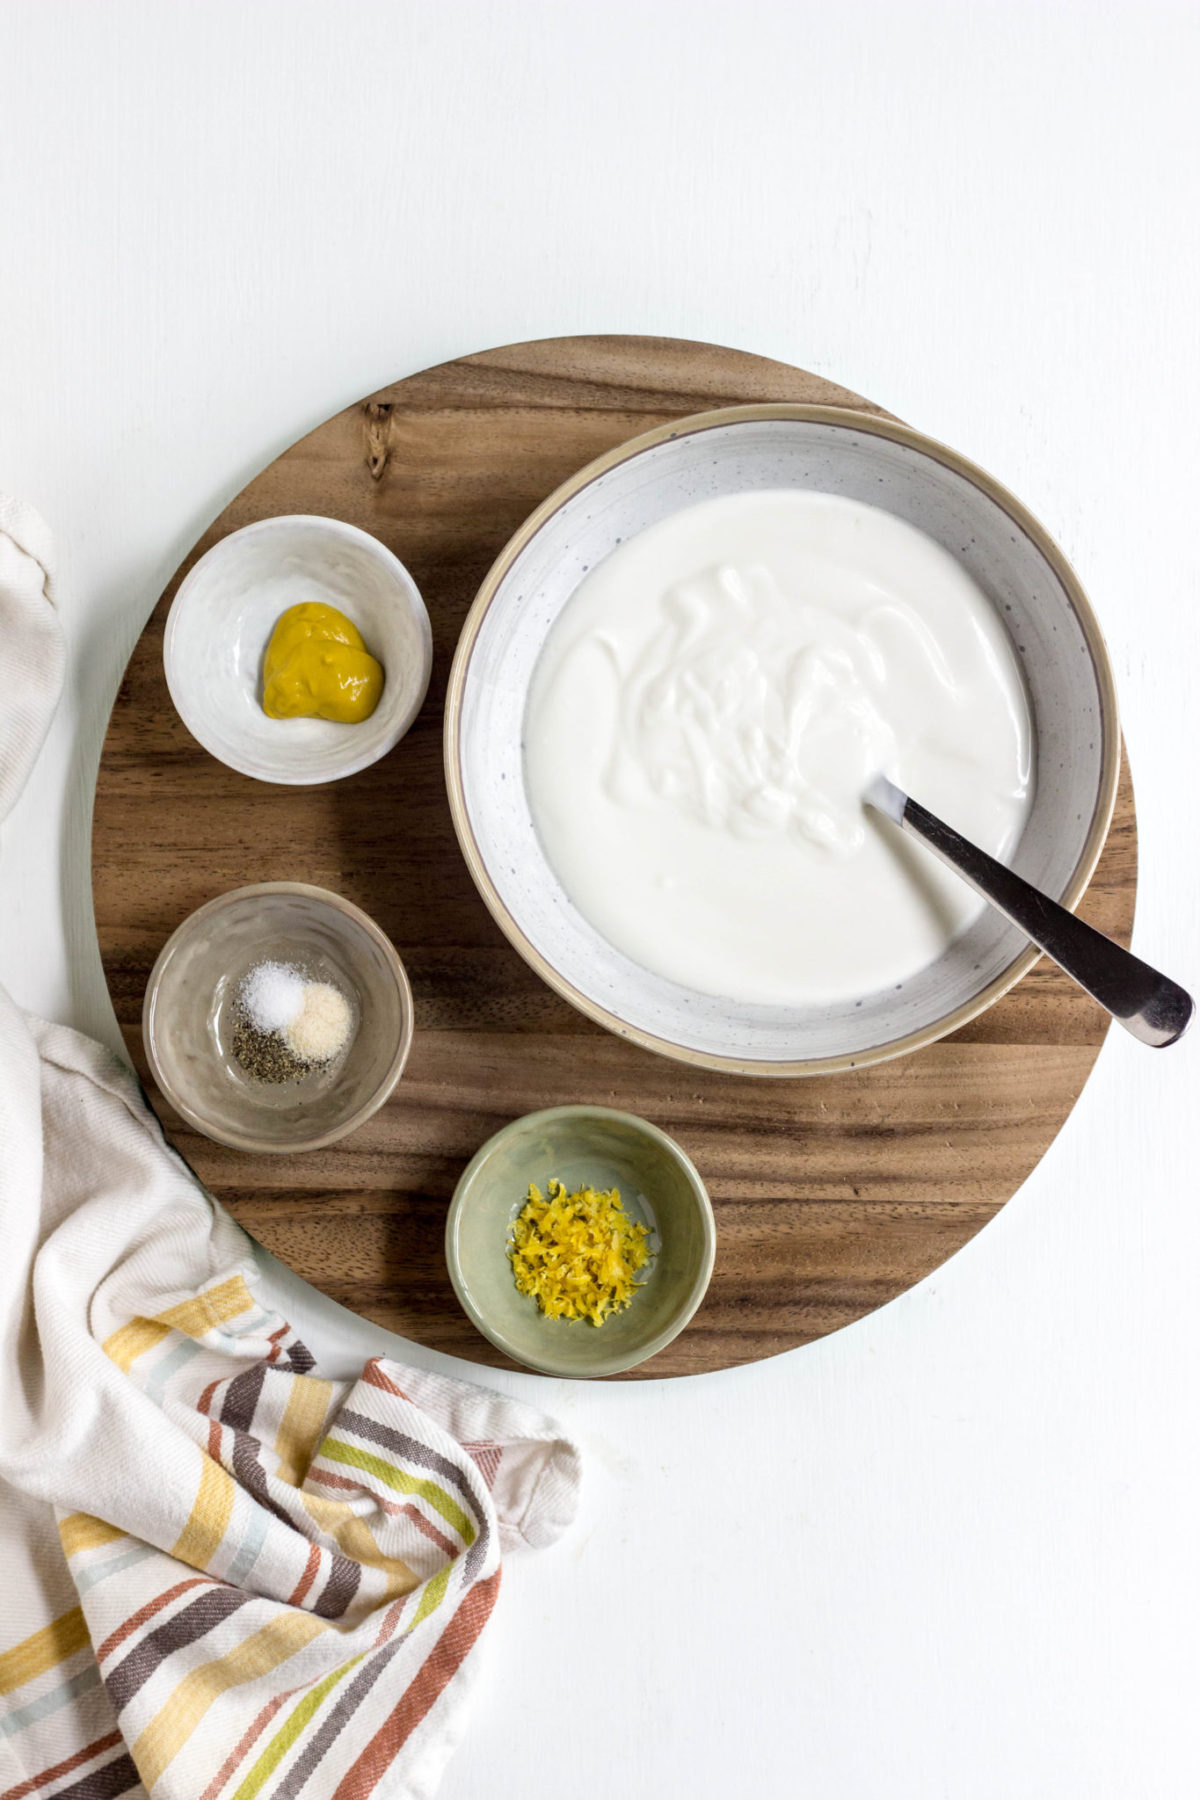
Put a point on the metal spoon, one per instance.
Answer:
(1153, 1008)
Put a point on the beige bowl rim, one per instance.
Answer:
(848, 419)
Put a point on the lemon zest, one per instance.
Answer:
(577, 1254)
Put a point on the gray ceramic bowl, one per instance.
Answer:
(742, 449)
(189, 1011)
(581, 1145)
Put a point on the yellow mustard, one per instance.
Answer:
(317, 664)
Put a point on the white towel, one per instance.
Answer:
(224, 1576)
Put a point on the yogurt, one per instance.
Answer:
(705, 714)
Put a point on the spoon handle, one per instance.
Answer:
(1153, 1008)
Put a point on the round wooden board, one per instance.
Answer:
(832, 1194)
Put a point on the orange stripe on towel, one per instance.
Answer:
(374, 1376)
(63, 1768)
(434, 1676)
(308, 1577)
(139, 1618)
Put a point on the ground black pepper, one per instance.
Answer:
(264, 1056)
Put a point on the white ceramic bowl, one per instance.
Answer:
(222, 618)
(740, 449)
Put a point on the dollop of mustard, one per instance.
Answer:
(318, 666)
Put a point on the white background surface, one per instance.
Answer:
(951, 1551)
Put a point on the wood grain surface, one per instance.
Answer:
(832, 1194)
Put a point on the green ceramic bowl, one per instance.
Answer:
(581, 1145)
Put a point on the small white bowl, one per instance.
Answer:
(222, 618)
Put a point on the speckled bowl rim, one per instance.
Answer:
(405, 720)
(610, 1365)
(845, 419)
(237, 1140)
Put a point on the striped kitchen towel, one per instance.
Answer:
(222, 1575)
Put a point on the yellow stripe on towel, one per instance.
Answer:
(215, 1307)
(206, 1312)
(46, 1648)
(176, 1720)
(301, 1427)
(354, 1536)
(79, 1531)
(125, 1345)
(208, 1521)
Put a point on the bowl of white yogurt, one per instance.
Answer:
(676, 681)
